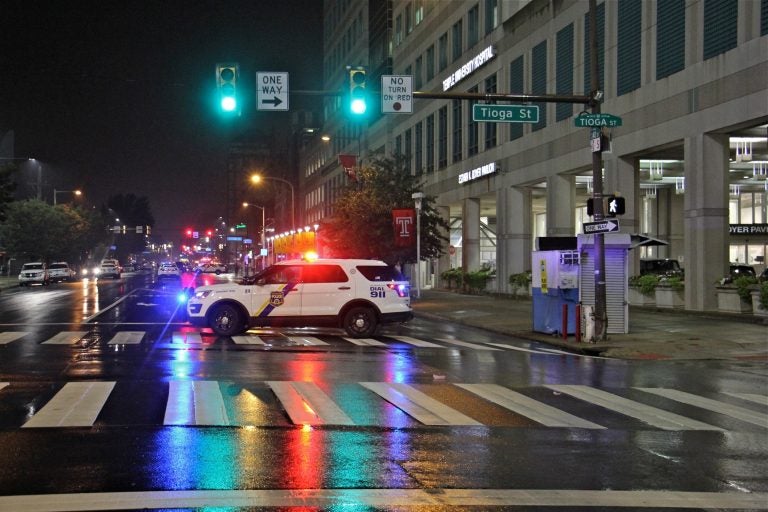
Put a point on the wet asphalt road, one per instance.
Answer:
(404, 413)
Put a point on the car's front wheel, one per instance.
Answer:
(226, 320)
(360, 322)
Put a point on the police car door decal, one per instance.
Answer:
(275, 300)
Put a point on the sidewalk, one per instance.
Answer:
(653, 333)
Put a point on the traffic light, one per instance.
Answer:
(358, 96)
(226, 81)
(615, 206)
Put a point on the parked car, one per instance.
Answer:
(763, 277)
(34, 273)
(168, 270)
(212, 268)
(664, 267)
(357, 295)
(60, 271)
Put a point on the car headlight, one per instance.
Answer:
(203, 294)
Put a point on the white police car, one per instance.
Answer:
(357, 295)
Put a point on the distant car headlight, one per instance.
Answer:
(96, 271)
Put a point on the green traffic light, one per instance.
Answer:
(228, 104)
(358, 106)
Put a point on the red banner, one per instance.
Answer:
(404, 227)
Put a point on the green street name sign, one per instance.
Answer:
(505, 113)
(599, 120)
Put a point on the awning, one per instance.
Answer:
(645, 240)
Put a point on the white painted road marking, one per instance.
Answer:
(366, 342)
(307, 404)
(325, 499)
(306, 340)
(734, 411)
(9, 336)
(195, 403)
(66, 338)
(528, 407)
(127, 338)
(645, 413)
(77, 404)
(416, 342)
(248, 340)
(418, 405)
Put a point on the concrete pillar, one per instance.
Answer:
(514, 238)
(470, 234)
(706, 218)
(561, 197)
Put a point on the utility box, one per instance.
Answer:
(617, 247)
(555, 289)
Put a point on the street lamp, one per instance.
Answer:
(418, 197)
(257, 179)
(55, 192)
(263, 225)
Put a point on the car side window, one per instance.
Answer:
(282, 274)
(324, 274)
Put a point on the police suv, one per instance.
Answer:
(355, 294)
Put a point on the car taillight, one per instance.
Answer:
(400, 289)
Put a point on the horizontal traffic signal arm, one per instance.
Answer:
(477, 96)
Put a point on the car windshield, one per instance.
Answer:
(33, 266)
(57, 265)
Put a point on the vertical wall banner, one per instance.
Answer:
(404, 227)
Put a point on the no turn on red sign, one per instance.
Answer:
(396, 94)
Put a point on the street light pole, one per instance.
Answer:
(263, 227)
(256, 179)
(417, 197)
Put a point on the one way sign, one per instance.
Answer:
(605, 226)
(272, 90)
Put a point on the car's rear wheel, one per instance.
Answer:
(226, 320)
(360, 322)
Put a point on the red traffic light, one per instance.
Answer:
(188, 232)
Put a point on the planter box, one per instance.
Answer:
(728, 300)
(635, 298)
(757, 308)
(667, 297)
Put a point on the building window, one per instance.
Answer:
(430, 63)
(407, 150)
(398, 30)
(417, 83)
(443, 49)
(442, 138)
(430, 145)
(516, 86)
(539, 81)
(490, 128)
(473, 26)
(491, 15)
(457, 130)
(419, 12)
(564, 70)
(409, 18)
(418, 153)
(628, 65)
(457, 33)
(764, 18)
(720, 17)
(600, 15)
(670, 37)
(472, 143)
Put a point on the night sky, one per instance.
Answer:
(119, 97)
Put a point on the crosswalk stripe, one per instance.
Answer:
(65, 338)
(366, 342)
(186, 338)
(3, 384)
(306, 340)
(520, 349)
(195, 403)
(645, 413)
(9, 336)
(248, 340)
(127, 338)
(77, 404)
(468, 345)
(528, 407)
(307, 404)
(734, 411)
(750, 397)
(418, 405)
(416, 342)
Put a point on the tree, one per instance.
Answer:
(361, 226)
(7, 187)
(132, 211)
(35, 230)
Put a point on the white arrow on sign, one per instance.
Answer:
(605, 226)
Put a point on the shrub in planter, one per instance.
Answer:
(454, 277)
(646, 284)
(764, 295)
(743, 285)
(521, 281)
(477, 280)
(674, 283)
